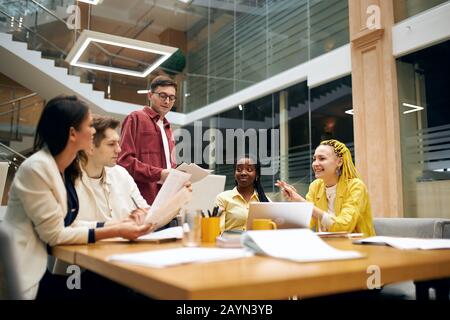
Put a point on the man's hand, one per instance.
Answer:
(188, 185)
(164, 174)
(137, 216)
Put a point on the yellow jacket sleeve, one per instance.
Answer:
(310, 197)
(353, 204)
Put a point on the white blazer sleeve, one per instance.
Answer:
(42, 205)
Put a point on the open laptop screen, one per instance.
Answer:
(284, 214)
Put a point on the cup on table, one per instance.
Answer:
(191, 223)
(210, 229)
(264, 224)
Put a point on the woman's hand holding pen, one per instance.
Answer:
(289, 191)
(131, 231)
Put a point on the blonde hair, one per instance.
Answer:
(348, 169)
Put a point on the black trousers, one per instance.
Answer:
(93, 287)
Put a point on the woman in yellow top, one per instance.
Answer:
(235, 203)
(341, 200)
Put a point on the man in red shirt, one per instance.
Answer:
(147, 141)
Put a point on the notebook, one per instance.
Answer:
(300, 245)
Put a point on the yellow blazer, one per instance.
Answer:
(351, 206)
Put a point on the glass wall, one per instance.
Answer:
(240, 43)
(407, 8)
(424, 100)
(224, 45)
(282, 129)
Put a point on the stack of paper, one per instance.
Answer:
(407, 243)
(172, 196)
(339, 234)
(197, 173)
(165, 234)
(172, 257)
(300, 245)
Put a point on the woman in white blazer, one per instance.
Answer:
(43, 204)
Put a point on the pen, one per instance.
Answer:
(134, 201)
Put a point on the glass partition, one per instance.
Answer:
(424, 101)
(404, 9)
(282, 129)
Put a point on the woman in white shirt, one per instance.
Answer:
(43, 204)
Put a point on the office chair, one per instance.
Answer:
(9, 282)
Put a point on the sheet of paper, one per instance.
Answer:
(339, 234)
(169, 198)
(197, 173)
(407, 243)
(172, 257)
(169, 233)
(300, 245)
(165, 213)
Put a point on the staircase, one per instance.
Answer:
(42, 76)
(44, 30)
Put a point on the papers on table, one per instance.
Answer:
(197, 173)
(407, 243)
(172, 257)
(170, 198)
(300, 245)
(339, 234)
(165, 234)
(229, 239)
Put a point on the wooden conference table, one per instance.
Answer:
(256, 277)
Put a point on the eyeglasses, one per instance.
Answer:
(163, 96)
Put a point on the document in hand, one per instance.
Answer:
(197, 173)
(300, 245)
(172, 257)
(165, 234)
(407, 243)
(170, 199)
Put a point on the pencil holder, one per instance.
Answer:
(210, 229)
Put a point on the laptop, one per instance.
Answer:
(205, 191)
(285, 214)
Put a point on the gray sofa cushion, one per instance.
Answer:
(409, 227)
(413, 227)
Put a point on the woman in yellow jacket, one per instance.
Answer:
(341, 200)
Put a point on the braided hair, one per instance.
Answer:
(348, 169)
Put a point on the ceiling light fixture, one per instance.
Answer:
(94, 2)
(88, 36)
(414, 108)
(144, 91)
